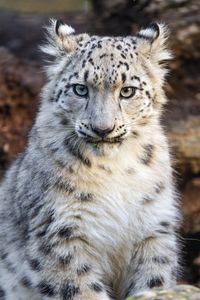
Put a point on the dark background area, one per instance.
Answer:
(21, 78)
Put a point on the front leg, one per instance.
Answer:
(154, 262)
(60, 267)
(67, 275)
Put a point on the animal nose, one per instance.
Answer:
(102, 132)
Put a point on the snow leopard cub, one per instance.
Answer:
(88, 210)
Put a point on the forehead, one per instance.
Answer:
(105, 49)
(108, 59)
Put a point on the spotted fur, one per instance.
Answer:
(88, 211)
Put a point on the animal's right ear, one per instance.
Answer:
(61, 39)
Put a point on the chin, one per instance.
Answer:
(104, 149)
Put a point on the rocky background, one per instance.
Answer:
(21, 78)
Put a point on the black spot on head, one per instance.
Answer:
(123, 77)
(135, 77)
(82, 270)
(119, 47)
(89, 53)
(123, 56)
(148, 94)
(91, 61)
(95, 286)
(102, 55)
(46, 289)
(155, 282)
(58, 95)
(83, 63)
(65, 232)
(69, 290)
(86, 75)
(99, 44)
(126, 65)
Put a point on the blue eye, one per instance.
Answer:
(127, 92)
(80, 90)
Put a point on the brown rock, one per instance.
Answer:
(184, 136)
(191, 206)
(20, 84)
(179, 292)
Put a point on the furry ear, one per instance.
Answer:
(61, 39)
(152, 43)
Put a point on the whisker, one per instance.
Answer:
(191, 239)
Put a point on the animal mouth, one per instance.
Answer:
(105, 141)
(102, 141)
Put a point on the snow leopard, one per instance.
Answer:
(88, 211)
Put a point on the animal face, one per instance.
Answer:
(107, 87)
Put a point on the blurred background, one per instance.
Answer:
(21, 79)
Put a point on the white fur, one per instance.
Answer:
(118, 233)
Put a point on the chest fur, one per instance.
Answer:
(108, 201)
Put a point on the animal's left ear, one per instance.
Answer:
(151, 42)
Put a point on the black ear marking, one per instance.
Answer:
(154, 26)
(150, 33)
(58, 24)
